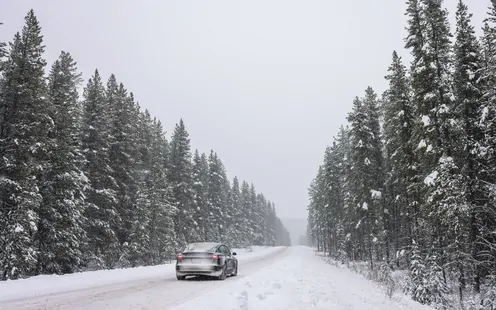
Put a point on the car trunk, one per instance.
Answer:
(197, 258)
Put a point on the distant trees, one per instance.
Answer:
(94, 183)
(409, 182)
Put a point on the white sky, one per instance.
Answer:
(266, 84)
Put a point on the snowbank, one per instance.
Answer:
(50, 284)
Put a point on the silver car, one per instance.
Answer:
(206, 259)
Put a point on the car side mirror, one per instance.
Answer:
(234, 253)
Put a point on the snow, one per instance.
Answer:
(421, 144)
(429, 96)
(18, 229)
(443, 109)
(376, 194)
(365, 206)
(429, 148)
(51, 284)
(426, 120)
(485, 113)
(431, 178)
(302, 280)
(277, 279)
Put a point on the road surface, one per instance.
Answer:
(289, 278)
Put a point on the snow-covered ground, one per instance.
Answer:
(303, 281)
(269, 278)
(54, 284)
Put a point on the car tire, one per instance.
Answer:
(180, 278)
(223, 275)
(235, 273)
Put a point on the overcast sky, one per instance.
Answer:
(264, 83)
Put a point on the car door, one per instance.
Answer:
(232, 260)
(229, 260)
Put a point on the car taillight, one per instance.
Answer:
(215, 256)
(179, 256)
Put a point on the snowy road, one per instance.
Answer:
(147, 288)
(293, 278)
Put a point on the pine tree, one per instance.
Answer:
(256, 219)
(236, 226)
(163, 240)
(217, 198)
(245, 223)
(416, 31)
(366, 178)
(418, 287)
(468, 91)
(272, 224)
(261, 214)
(200, 189)
(123, 153)
(486, 218)
(181, 180)
(436, 284)
(140, 249)
(25, 124)
(399, 119)
(61, 236)
(102, 215)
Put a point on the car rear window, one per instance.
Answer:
(199, 247)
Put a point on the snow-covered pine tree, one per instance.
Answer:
(486, 218)
(436, 284)
(246, 230)
(61, 237)
(123, 154)
(335, 201)
(418, 286)
(435, 128)
(255, 215)
(366, 180)
(25, 124)
(468, 92)
(200, 189)
(101, 214)
(344, 227)
(162, 235)
(261, 214)
(140, 251)
(181, 179)
(217, 199)
(317, 210)
(380, 237)
(235, 232)
(228, 211)
(399, 119)
(272, 225)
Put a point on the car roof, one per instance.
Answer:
(212, 244)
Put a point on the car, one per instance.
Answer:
(206, 259)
